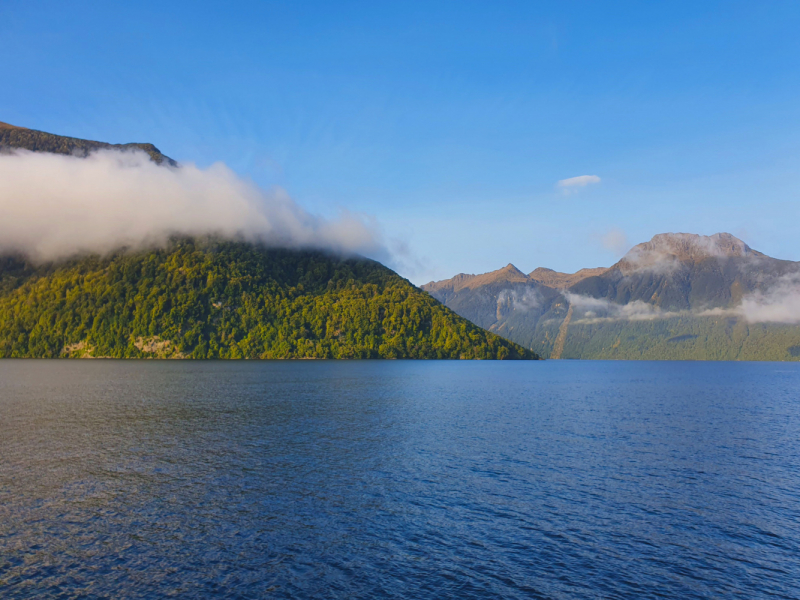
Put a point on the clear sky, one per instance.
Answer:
(449, 122)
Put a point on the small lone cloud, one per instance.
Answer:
(573, 184)
(615, 240)
(523, 301)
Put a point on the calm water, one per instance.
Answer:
(399, 480)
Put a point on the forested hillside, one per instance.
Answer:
(218, 299)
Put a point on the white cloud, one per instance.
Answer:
(53, 206)
(653, 261)
(522, 301)
(667, 252)
(615, 240)
(573, 184)
(597, 310)
(779, 304)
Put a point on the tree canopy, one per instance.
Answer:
(219, 299)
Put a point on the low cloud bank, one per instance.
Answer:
(598, 310)
(53, 206)
(780, 303)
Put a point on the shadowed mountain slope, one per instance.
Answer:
(677, 296)
(686, 271)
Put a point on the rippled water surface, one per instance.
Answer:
(555, 479)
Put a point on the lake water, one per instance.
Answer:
(554, 479)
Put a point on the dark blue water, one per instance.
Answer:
(556, 479)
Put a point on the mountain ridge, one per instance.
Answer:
(13, 137)
(209, 298)
(687, 282)
(556, 279)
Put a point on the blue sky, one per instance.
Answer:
(449, 122)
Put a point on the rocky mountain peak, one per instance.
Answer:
(686, 247)
(508, 274)
(511, 270)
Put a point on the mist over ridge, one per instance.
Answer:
(677, 296)
(64, 196)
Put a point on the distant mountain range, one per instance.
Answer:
(678, 296)
(215, 298)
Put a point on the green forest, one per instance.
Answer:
(208, 299)
(683, 338)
